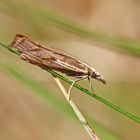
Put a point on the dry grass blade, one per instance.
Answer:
(88, 129)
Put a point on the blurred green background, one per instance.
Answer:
(31, 104)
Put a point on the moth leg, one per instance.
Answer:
(90, 83)
(69, 91)
(73, 82)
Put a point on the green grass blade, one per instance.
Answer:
(111, 105)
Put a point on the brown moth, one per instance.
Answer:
(44, 57)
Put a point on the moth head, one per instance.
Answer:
(98, 76)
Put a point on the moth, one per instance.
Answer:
(44, 57)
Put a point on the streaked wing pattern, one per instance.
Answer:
(45, 58)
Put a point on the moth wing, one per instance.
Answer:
(57, 62)
(59, 51)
